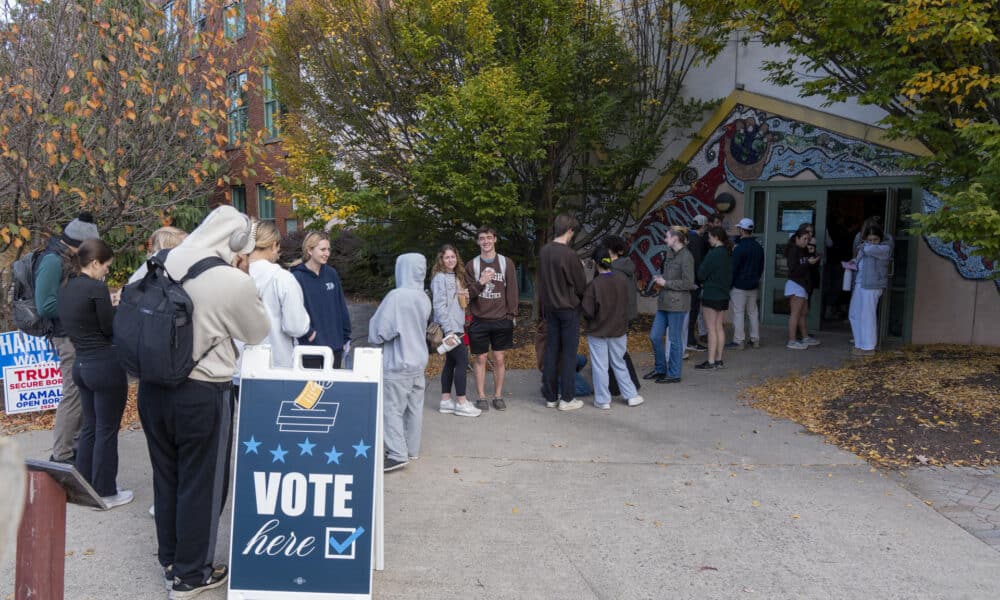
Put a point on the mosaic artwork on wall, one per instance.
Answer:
(754, 145)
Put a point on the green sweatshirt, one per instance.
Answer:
(48, 276)
(716, 275)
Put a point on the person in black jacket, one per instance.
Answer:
(86, 313)
(698, 245)
(621, 263)
(798, 287)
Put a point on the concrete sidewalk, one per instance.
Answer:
(691, 495)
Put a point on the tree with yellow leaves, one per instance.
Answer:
(109, 106)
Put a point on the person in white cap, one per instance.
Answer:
(748, 266)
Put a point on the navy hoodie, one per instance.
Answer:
(748, 264)
(326, 305)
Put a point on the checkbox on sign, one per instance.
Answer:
(340, 539)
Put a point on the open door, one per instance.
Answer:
(786, 209)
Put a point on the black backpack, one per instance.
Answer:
(21, 296)
(153, 328)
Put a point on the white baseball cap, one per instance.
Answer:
(746, 224)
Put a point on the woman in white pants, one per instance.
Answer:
(870, 280)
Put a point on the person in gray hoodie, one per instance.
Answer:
(399, 326)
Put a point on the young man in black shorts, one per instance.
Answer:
(492, 284)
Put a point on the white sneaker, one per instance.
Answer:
(571, 405)
(810, 341)
(635, 401)
(446, 407)
(796, 346)
(466, 409)
(603, 406)
(152, 510)
(122, 497)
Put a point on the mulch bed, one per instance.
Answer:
(936, 405)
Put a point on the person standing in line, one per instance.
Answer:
(49, 274)
(873, 259)
(329, 319)
(399, 325)
(607, 330)
(281, 295)
(797, 288)
(676, 281)
(698, 246)
(561, 283)
(623, 265)
(188, 428)
(716, 275)
(491, 279)
(449, 299)
(163, 238)
(748, 267)
(86, 314)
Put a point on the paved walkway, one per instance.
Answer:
(968, 497)
(691, 495)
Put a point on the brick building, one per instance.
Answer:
(254, 104)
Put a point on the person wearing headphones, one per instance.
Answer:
(189, 427)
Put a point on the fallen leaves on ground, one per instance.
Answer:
(40, 421)
(936, 405)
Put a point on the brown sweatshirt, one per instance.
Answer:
(498, 298)
(561, 279)
(605, 305)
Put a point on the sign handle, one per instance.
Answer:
(300, 351)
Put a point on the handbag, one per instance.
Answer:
(434, 335)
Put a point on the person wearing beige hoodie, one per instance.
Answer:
(189, 428)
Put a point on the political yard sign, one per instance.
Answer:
(31, 388)
(19, 348)
(307, 485)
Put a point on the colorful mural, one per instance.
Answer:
(753, 145)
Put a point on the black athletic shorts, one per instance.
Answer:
(715, 304)
(484, 334)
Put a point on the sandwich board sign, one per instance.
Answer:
(307, 478)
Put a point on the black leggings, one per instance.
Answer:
(103, 393)
(456, 363)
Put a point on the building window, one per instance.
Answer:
(291, 225)
(272, 108)
(236, 20)
(196, 14)
(270, 7)
(265, 203)
(170, 21)
(236, 112)
(239, 196)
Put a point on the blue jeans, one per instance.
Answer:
(562, 338)
(606, 351)
(665, 323)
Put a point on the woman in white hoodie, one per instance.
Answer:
(280, 293)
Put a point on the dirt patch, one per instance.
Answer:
(935, 405)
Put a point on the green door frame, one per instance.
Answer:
(898, 206)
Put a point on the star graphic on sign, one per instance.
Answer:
(278, 454)
(360, 449)
(251, 445)
(333, 456)
(306, 447)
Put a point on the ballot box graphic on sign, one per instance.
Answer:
(307, 481)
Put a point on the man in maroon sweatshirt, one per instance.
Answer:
(492, 283)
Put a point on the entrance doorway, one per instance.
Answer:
(836, 209)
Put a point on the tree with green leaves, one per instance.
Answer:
(429, 117)
(933, 66)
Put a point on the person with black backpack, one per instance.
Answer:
(188, 419)
(48, 274)
(86, 312)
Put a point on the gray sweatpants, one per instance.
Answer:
(403, 415)
(69, 415)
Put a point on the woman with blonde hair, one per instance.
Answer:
(449, 299)
(281, 294)
(164, 238)
(330, 322)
